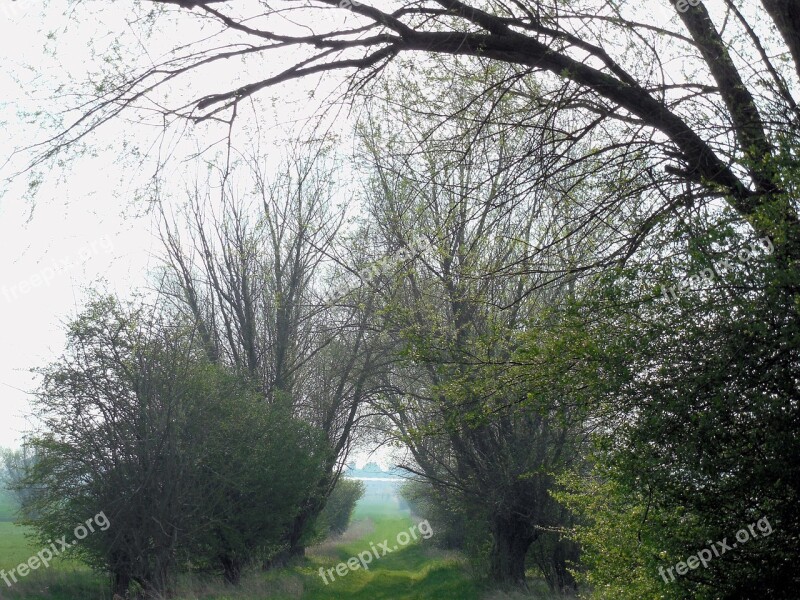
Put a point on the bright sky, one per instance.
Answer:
(45, 264)
(75, 236)
(87, 226)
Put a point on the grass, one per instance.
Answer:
(63, 580)
(14, 547)
(416, 571)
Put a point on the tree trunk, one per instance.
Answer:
(231, 570)
(787, 19)
(511, 540)
(122, 582)
(294, 536)
(561, 580)
(294, 547)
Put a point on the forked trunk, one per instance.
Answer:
(511, 540)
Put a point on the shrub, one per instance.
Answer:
(188, 463)
(335, 517)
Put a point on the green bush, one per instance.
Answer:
(335, 517)
(191, 467)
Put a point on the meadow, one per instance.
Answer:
(416, 571)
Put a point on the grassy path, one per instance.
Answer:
(415, 571)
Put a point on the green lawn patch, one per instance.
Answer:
(8, 507)
(416, 571)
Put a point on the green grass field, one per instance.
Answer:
(416, 571)
(7, 506)
(63, 580)
(413, 572)
(14, 547)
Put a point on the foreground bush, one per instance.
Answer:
(185, 461)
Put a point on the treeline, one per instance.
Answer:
(503, 280)
(560, 414)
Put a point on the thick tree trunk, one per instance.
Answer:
(284, 557)
(122, 582)
(561, 580)
(293, 539)
(231, 570)
(294, 536)
(511, 541)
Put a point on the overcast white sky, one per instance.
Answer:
(45, 265)
(46, 260)
(86, 224)
(86, 227)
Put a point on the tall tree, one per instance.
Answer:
(706, 91)
(461, 214)
(253, 278)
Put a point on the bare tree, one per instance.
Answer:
(703, 91)
(252, 277)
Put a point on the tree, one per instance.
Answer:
(720, 128)
(107, 443)
(182, 457)
(252, 278)
(681, 126)
(15, 463)
(483, 433)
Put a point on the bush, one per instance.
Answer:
(247, 495)
(335, 517)
(183, 458)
